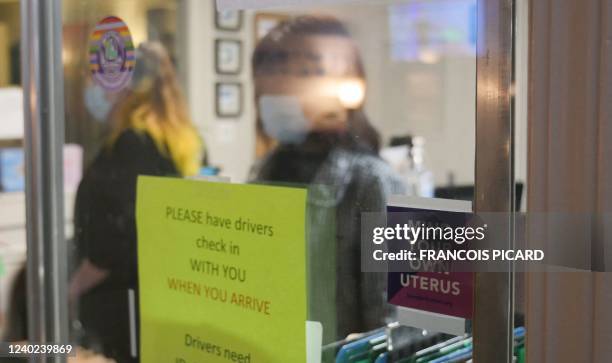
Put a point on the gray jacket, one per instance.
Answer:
(341, 185)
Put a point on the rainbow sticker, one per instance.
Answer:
(111, 54)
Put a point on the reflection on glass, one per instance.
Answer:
(316, 121)
(428, 30)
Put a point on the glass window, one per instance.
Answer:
(353, 101)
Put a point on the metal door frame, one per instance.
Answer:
(494, 174)
(43, 102)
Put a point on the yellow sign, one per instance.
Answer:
(222, 272)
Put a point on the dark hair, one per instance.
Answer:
(272, 54)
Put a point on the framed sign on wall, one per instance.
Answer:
(229, 20)
(228, 99)
(228, 56)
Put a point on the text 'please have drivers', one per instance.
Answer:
(197, 216)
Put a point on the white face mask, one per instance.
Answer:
(283, 118)
(96, 102)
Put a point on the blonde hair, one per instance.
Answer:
(154, 104)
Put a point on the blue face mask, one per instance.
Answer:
(283, 118)
(96, 102)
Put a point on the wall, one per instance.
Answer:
(230, 142)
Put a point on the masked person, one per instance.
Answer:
(151, 134)
(310, 88)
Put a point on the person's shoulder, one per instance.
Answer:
(368, 164)
(132, 144)
(130, 138)
(369, 169)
